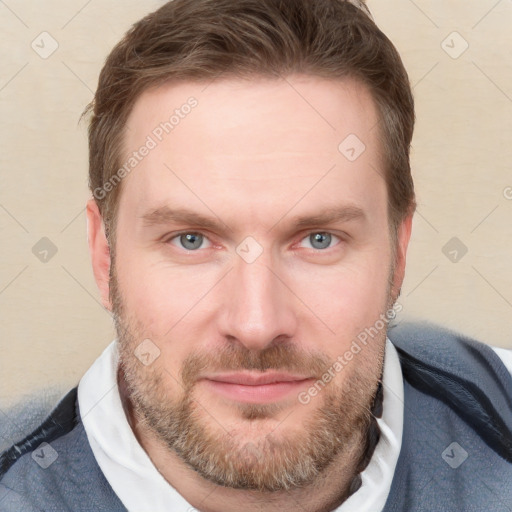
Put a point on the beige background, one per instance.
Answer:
(52, 324)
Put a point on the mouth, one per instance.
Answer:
(251, 387)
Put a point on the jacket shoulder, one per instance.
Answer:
(54, 469)
(465, 374)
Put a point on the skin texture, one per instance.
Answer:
(252, 156)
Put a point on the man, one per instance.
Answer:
(249, 163)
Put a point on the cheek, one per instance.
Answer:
(348, 297)
(145, 295)
(167, 301)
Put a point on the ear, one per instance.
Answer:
(99, 251)
(402, 242)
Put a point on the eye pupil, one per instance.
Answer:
(191, 241)
(320, 240)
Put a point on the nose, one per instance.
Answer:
(258, 309)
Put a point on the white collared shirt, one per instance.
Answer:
(141, 488)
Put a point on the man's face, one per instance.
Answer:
(251, 245)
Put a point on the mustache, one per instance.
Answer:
(281, 357)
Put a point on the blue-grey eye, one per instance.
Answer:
(191, 241)
(319, 240)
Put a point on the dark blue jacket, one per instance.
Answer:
(456, 451)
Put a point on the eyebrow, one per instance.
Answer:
(165, 215)
(331, 215)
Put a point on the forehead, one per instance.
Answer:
(259, 145)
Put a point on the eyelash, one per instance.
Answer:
(168, 240)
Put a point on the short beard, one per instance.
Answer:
(337, 430)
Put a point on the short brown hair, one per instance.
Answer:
(207, 39)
